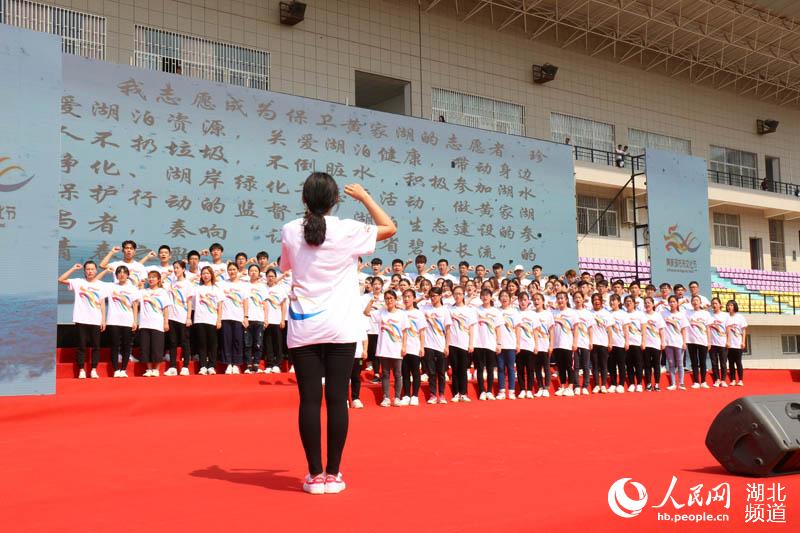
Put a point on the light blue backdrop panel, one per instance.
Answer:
(677, 205)
(30, 89)
(160, 158)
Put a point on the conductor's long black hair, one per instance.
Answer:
(320, 194)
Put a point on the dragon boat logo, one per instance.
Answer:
(674, 240)
(7, 168)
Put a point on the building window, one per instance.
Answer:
(639, 140)
(582, 132)
(196, 57)
(789, 343)
(477, 112)
(589, 209)
(748, 349)
(727, 230)
(81, 34)
(732, 161)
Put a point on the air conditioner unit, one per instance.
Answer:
(627, 213)
(641, 214)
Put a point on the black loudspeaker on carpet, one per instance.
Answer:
(758, 435)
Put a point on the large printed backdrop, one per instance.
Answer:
(160, 158)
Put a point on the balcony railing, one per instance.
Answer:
(750, 182)
(759, 303)
(612, 159)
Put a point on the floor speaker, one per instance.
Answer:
(758, 435)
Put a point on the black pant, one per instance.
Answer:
(635, 365)
(617, 365)
(410, 372)
(206, 344)
(459, 359)
(735, 364)
(88, 335)
(232, 342)
(252, 342)
(525, 370)
(355, 380)
(151, 344)
(436, 364)
(600, 365)
(698, 353)
(273, 345)
(121, 343)
(652, 365)
(542, 370)
(581, 362)
(718, 362)
(372, 346)
(334, 362)
(564, 362)
(179, 336)
(485, 359)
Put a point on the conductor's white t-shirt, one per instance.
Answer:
(324, 295)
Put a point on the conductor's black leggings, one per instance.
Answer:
(334, 362)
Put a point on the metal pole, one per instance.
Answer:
(635, 228)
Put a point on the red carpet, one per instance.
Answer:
(222, 452)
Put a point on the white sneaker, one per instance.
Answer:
(511, 395)
(740, 383)
(704, 385)
(612, 389)
(229, 370)
(423, 378)
(116, 373)
(442, 399)
(276, 370)
(585, 391)
(212, 371)
(482, 397)
(596, 389)
(576, 391)
(398, 402)
(267, 370)
(716, 383)
(369, 367)
(569, 392)
(432, 400)
(446, 377)
(414, 401)
(291, 369)
(490, 396)
(539, 393)
(407, 400)
(501, 395)
(82, 374)
(695, 385)
(248, 371)
(154, 373)
(148, 373)
(171, 372)
(94, 374)
(334, 484)
(236, 369)
(620, 389)
(631, 388)
(357, 404)
(185, 371)
(259, 370)
(560, 391)
(386, 402)
(546, 394)
(639, 388)
(603, 389)
(123, 373)
(456, 398)
(672, 387)
(203, 371)
(724, 385)
(314, 485)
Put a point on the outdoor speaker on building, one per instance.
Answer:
(766, 126)
(758, 435)
(544, 73)
(292, 12)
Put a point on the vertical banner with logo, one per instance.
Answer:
(30, 92)
(677, 205)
